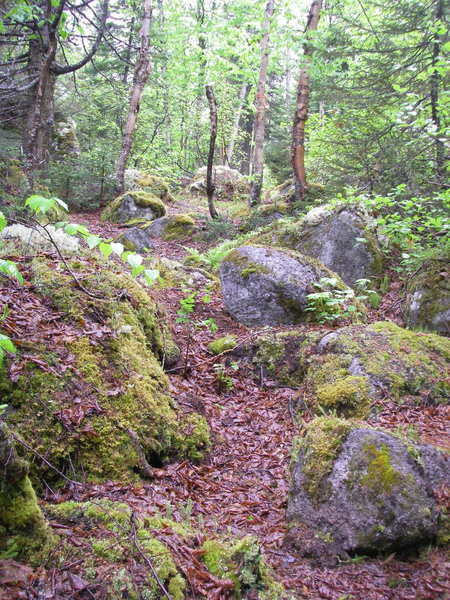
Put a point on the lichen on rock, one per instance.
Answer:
(356, 489)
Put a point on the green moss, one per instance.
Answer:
(163, 563)
(141, 199)
(156, 186)
(179, 227)
(381, 475)
(222, 344)
(108, 549)
(247, 266)
(319, 448)
(242, 562)
(120, 378)
(348, 396)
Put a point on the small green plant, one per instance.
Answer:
(224, 383)
(331, 303)
(209, 324)
(187, 306)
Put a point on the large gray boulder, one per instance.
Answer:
(342, 238)
(362, 490)
(174, 227)
(428, 299)
(268, 286)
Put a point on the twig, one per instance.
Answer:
(146, 558)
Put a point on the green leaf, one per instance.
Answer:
(39, 204)
(6, 344)
(105, 249)
(3, 221)
(137, 270)
(93, 241)
(10, 269)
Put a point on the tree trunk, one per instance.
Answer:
(237, 117)
(434, 96)
(40, 109)
(301, 111)
(141, 74)
(210, 187)
(260, 116)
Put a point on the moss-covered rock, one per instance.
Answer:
(65, 136)
(229, 183)
(428, 299)
(134, 205)
(285, 192)
(98, 403)
(222, 344)
(347, 369)
(141, 181)
(24, 533)
(341, 237)
(140, 237)
(356, 489)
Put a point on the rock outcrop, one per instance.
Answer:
(94, 399)
(139, 206)
(229, 183)
(428, 299)
(361, 490)
(348, 369)
(173, 227)
(342, 238)
(269, 286)
(139, 181)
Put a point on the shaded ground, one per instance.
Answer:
(242, 486)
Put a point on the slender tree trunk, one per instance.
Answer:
(237, 117)
(301, 111)
(141, 74)
(210, 187)
(434, 96)
(260, 116)
(245, 145)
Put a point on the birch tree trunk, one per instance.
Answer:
(141, 73)
(301, 111)
(210, 187)
(260, 116)
(237, 117)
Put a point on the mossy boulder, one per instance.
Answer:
(95, 402)
(143, 206)
(141, 181)
(173, 227)
(348, 369)
(342, 238)
(12, 177)
(361, 490)
(229, 183)
(24, 533)
(428, 297)
(222, 344)
(270, 286)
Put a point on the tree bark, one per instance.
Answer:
(210, 187)
(260, 116)
(301, 111)
(237, 117)
(434, 96)
(140, 78)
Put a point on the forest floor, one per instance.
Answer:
(242, 486)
